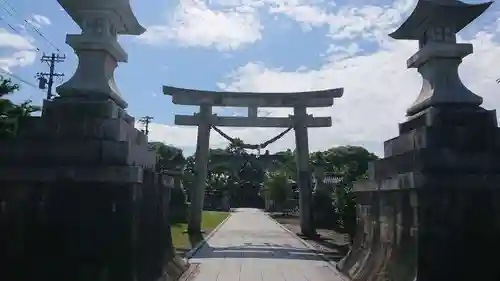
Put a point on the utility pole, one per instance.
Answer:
(145, 121)
(42, 76)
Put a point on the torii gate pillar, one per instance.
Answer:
(303, 171)
(201, 166)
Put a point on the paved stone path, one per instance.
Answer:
(250, 246)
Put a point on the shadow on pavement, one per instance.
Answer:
(264, 251)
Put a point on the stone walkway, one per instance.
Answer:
(250, 246)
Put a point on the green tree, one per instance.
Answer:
(10, 112)
(287, 165)
(7, 87)
(243, 179)
(351, 164)
(235, 147)
(188, 178)
(170, 157)
(278, 189)
(218, 175)
(220, 168)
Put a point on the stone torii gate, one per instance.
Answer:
(300, 121)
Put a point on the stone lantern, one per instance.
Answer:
(97, 47)
(435, 25)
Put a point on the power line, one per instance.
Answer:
(26, 23)
(11, 27)
(8, 12)
(41, 76)
(43, 36)
(10, 6)
(18, 78)
(14, 29)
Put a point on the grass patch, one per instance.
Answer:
(209, 220)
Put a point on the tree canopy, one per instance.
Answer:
(10, 112)
(243, 177)
(170, 157)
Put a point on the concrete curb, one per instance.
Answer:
(198, 246)
(331, 265)
(189, 273)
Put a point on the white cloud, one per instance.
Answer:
(193, 23)
(20, 58)
(366, 19)
(378, 87)
(306, 14)
(38, 21)
(16, 50)
(337, 52)
(15, 41)
(231, 24)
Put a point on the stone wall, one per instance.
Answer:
(67, 230)
(386, 236)
(81, 200)
(430, 210)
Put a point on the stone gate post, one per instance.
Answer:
(79, 195)
(430, 209)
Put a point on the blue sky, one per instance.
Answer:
(259, 45)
